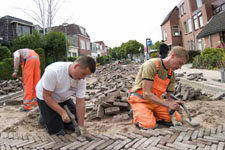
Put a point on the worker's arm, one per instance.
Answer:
(16, 60)
(147, 94)
(80, 110)
(51, 102)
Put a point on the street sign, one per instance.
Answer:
(149, 42)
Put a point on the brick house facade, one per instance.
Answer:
(78, 38)
(185, 24)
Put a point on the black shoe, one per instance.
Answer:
(69, 127)
(41, 120)
(60, 133)
(162, 122)
(24, 110)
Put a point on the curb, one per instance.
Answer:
(207, 87)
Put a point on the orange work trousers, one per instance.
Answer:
(146, 113)
(31, 76)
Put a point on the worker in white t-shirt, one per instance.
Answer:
(59, 82)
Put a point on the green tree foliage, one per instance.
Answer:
(55, 49)
(130, 47)
(156, 45)
(27, 41)
(4, 52)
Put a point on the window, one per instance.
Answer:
(200, 19)
(199, 44)
(196, 22)
(185, 27)
(82, 31)
(182, 9)
(82, 44)
(199, 3)
(23, 30)
(88, 45)
(164, 35)
(189, 25)
(176, 31)
(203, 43)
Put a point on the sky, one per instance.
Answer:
(110, 21)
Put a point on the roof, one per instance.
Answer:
(72, 29)
(17, 20)
(216, 24)
(168, 16)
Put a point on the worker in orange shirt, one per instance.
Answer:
(30, 64)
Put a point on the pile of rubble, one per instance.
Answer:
(186, 92)
(10, 86)
(107, 96)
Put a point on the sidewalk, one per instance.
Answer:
(212, 85)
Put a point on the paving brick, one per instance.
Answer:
(173, 137)
(207, 132)
(110, 147)
(213, 147)
(122, 144)
(176, 146)
(91, 147)
(129, 145)
(163, 147)
(220, 146)
(180, 137)
(138, 143)
(188, 135)
(190, 146)
(208, 140)
(201, 132)
(112, 110)
(104, 145)
(59, 145)
(164, 139)
(156, 141)
(213, 130)
(147, 142)
(219, 129)
(78, 145)
(194, 135)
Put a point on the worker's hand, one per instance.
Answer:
(174, 105)
(65, 117)
(14, 75)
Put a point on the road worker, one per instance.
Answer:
(30, 64)
(155, 77)
(59, 82)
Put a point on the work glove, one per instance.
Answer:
(175, 122)
(82, 130)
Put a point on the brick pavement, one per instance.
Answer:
(167, 138)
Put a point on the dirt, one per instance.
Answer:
(208, 113)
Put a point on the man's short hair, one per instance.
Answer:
(180, 52)
(87, 61)
(162, 41)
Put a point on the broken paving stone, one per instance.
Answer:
(218, 95)
(112, 110)
(120, 117)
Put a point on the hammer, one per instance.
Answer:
(72, 118)
(182, 105)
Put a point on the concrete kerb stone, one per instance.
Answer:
(208, 88)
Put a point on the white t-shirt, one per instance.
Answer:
(56, 78)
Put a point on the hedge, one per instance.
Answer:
(6, 67)
(41, 54)
(4, 52)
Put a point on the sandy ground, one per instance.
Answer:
(208, 113)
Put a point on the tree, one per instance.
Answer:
(156, 45)
(55, 49)
(132, 47)
(27, 41)
(44, 16)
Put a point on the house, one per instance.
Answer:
(195, 24)
(12, 27)
(102, 48)
(78, 38)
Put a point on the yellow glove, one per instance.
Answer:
(82, 130)
(175, 122)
